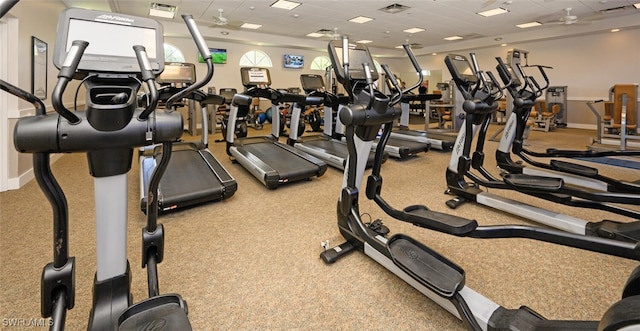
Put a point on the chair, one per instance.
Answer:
(543, 119)
(630, 117)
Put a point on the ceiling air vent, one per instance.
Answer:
(394, 8)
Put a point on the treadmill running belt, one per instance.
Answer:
(411, 147)
(188, 180)
(330, 147)
(288, 165)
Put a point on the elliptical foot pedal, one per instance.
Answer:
(165, 312)
(425, 265)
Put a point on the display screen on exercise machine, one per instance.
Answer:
(255, 76)
(311, 83)
(358, 55)
(462, 68)
(111, 38)
(177, 72)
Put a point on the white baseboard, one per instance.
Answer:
(582, 126)
(15, 183)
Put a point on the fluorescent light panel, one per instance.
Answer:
(493, 12)
(315, 35)
(453, 38)
(364, 41)
(413, 30)
(361, 19)
(162, 10)
(637, 5)
(528, 25)
(285, 4)
(250, 26)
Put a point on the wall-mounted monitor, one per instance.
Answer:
(218, 55)
(293, 61)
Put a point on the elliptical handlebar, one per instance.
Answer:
(499, 94)
(206, 55)
(416, 65)
(149, 78)
(369, 80)
(69, 67)
(345, 66)
(398, 96)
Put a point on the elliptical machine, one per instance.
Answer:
(429, 272)
(109, 130)
(524, 90)
(475, 87)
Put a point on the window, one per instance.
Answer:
(378, 67)
(320, 63)
(173, 54)
(255, 59)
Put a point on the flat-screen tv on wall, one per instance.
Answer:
(218, 55)
(293, 61)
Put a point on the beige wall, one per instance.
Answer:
(37, 19)
(587, 65)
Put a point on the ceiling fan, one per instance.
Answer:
(567, 19)
(222, 21)
(329, 34)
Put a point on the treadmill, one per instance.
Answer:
(400, 147)
(334, 152)
(441, 142)
(193, 175)
(273, 163)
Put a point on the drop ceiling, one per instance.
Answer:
(438, 18)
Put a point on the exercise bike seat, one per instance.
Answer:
(164, 312)
(533, 183)
(573, 168)
(426, 266)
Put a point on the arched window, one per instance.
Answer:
(173, 54)
(256, 59)
(320, 63)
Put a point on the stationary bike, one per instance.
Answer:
(429, 272)
(109, 130)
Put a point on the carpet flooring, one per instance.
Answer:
(252, 262)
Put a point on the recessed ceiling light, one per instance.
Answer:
(361, 19)
(503, 45)
(453, 38)
(285, 4)
(434, 53)
(315, 35)
(528, 25)
(615, 30)
(250, 26)
(493, 12)
(364, 41)
(413, 30)
(162, 10)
